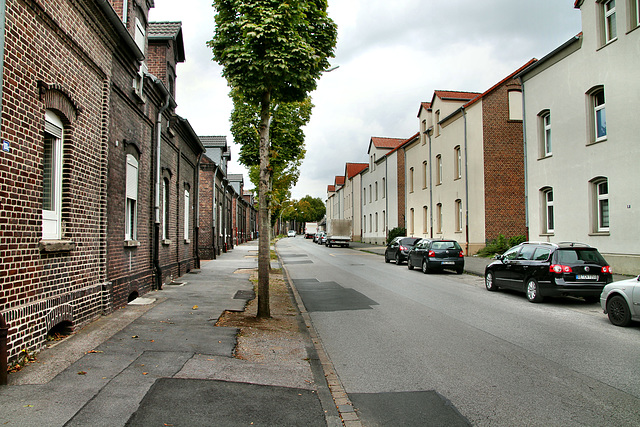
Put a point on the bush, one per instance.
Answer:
(500, 245)
(398, 231)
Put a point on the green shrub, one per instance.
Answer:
(398, 231)
(500, 245)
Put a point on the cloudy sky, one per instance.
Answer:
(391, 56)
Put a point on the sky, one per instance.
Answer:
(391, 57)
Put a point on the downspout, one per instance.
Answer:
(466, 183)
(524, 145)
(215, 214)
(430, 188)
(196, 237)
(156, 231)
(179, 192)
(386, 197)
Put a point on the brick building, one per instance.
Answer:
(81, 211)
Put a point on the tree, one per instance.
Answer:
(271, 52)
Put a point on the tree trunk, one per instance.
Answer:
(264, 200)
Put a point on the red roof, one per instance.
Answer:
(424, 105)
(331, 188)
(339, 181)
(381, 142)
(448, 95)
(501, 82)
(354, 169)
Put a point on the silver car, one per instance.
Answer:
(620, 300)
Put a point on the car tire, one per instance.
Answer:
(425, 266)
(409, 265)
(398, 262)
(489, 282)
(618, 311)
(386, 259)
(533, 291)
(459, 270)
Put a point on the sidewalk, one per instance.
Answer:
(161, 361)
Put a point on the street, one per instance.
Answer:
(409, 348)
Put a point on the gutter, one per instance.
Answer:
(115, 20)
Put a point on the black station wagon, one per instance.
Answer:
(547, 269)
(432, 254)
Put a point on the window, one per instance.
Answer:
(599, 115)
(439, 218)
(376, 221)
(635, 10)
(610, 31)
(437, 126)
(547, 197)
(140, 35)
(370, 198)
(545, 133)
(370, 222)
(364, 196)
(457, 155)
(131, 208)
(411, 180)
(384, 188)
(601, 192)
(165, 209)
(125, 10)
(459, 217)
(515, 105)
(423, 131)
(376, 190)
(425, 220)
(411, 222)
(425, 176)
(438, 169)
(187, 213)
(384, 221)
(52, 177)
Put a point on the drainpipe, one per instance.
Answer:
(524, 145)
(466, 183)
(2, 25)
(196, 226)
(386, 196)
(156, 232)
(4, 330)
(430, 188)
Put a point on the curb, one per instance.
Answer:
(342, 412)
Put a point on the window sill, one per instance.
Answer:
(607, 43)
(187, 241)
(546, 156)
(131, 243)
(597, 141)
(600, 233)
(547, 234)
(166, 242)
(57, 245)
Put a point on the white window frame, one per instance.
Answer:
(140, 35)
(410, 180)
(439, 218)
(602, 199)
(549, 211)
(599, 112)
(187, 211)
(457, 152)
(439, 169)
(459, 217)
(546, 134)
(376, 222)
(376, 190)
(425, 179)
(425, 219)
(165, 209)
(364, 196)
(384, 188)
(637, 4)
(131, 198)
(610, 31)
(125, 7)
(52, 218)
(411, 222)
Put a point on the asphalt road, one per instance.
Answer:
(438, 349)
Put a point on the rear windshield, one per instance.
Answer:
(445, 245)
(580, 256)
(409, 241)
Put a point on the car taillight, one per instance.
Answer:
(461, 254)
(431, 254)
(556, 268)
(402, 248)
(607, 269)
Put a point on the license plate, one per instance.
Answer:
(587, 277)
(448, 263)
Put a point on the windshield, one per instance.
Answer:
(409, 241)
(445, 245)
(580, 256)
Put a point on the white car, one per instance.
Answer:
(291, 233)
(620, 300)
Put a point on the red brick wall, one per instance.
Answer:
(207, 188)
(504, 167)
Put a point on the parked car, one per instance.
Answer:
(315, 236)
(322, 239)
(399, 248)
(547, 269)
(621, 301)
(433, 254)
(318, 237)
(291, 233)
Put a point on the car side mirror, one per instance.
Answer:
(498, 256)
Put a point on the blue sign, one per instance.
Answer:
(5, 146)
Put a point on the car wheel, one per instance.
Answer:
(386, 259)
(409, 265)
(489, 282)
(398, 262)
(533, 291)
(459, 270)
(425, 266)
(618, 311)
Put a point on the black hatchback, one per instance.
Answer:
(547, 269)
(431, 254)
(398, 249)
